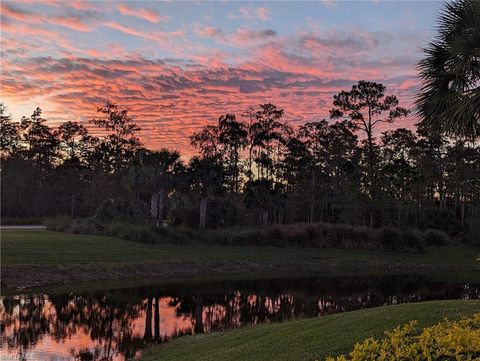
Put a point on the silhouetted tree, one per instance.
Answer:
(39, 139)
(9, 134)
(232, 136)
(121, 145)
(267, 134)
(161, 172)
(365, 105)
(206, 180)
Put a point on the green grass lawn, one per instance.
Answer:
(310, 339)
(29, 247)
(71, 260)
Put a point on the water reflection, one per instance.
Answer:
(117, 324)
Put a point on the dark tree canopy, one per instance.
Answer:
(254, 170)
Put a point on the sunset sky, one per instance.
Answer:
(180, 65)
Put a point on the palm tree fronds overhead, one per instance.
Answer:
(448, 100)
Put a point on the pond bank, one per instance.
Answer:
(309, 339)
(32, 258)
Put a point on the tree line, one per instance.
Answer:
(250, 170)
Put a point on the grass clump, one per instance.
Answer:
(448, 340)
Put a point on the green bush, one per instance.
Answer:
(411, 241)
(435, 237)
(448, 340)
(392, 239)
(277, 236)
(473, 234)
(388, 238)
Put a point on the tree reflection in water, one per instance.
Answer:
(117, 324)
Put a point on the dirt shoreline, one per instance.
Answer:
(32, 276)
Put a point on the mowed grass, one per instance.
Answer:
(310, 339)
(42, 247)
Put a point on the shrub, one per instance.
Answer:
(82, 226)
(60, 224)
(317, 235)
(435, 237)
(411, 241)
(448, 340)
(14, 221)
(388, 238)
(442, 219)
(473, 234)
(313, 235)
(276, 236)
(365, 238)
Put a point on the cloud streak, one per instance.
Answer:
(146, 14)
(251, 13)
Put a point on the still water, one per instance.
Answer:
(118, 324)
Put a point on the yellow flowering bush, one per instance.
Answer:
(448, 340)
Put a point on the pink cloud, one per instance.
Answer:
(81, 5)
(19, 14)
(71, 22)
(171, 102)
(246, 36)
(173, 97)
(209, 32)
(145, 14)
(251, 13)
(157, 36)
(123, 29)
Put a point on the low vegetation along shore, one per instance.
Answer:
(314, 235)
(309, 339)
(40, 257)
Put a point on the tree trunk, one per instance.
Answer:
(203, 212)
(199, 316)
(161, 206)
(250, 163)
(265, 218)
(371, 177)
(148, 321)
(157, 206)
(156, 320)
(72, 204)
(312, 197)
(153, 207)
(37, 211)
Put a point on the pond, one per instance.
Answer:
(118, 324)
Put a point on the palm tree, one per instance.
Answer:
(161, 170)
(206, 180)
(449, 99)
